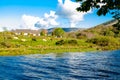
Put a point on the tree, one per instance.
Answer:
(58, 32)
(44, 32)
(103, 7)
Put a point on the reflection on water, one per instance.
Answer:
(67, 66)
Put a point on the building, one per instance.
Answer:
(26, 32)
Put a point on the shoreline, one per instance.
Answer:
(45, 50)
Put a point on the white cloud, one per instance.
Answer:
(32, 22)
(29, 21)
(1, 29)
(9, 23)
(67, 9)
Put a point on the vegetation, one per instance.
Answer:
(43, 32)
(97, 38)
(58, 32)
(67, 42)
(103, 7)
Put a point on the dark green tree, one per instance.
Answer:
(58, 32)
(108, 6)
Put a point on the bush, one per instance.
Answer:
(61, 42)
(72, 42)
(6, 44)
(9, 37)
(104, 41)
(108, 33)
(99, 41)
(81, 35)
(34, 39)
(69, 42)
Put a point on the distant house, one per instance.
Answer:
(26, 32)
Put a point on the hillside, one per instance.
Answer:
(108, 23)
(66, 29)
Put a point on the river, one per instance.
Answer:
(103, 65)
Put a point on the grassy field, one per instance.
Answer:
(22, 45)
(11, 44)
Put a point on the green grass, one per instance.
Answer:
(42, 50)
(18, 47)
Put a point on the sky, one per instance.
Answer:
(39, 14)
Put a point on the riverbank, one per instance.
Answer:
(43, 50)
(93, 39)
(13, 47)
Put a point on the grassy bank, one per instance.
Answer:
(43, 45)
(43, 50)
(21, 45)
(88, 40)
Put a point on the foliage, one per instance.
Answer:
(58, 32)
(103, 7)
(43, 32)
(34, 39)
(7, 44)
(105, 43)
(101, 41)
(67, 42)
(72, 42)
(71, 35)
(81, 36)
(61, 42)
(108, 33)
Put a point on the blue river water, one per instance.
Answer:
(64, 66)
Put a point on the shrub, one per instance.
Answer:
(72, 42)
(9, 37)
(81, 35)
(108, 33)
(99, 41)
(7, 44)
(71, 35)
(69, 42)
(61, 42)
(104, 41)
(34, 39)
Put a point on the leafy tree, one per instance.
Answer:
(43, 32)
(103, 7)
(58, 32)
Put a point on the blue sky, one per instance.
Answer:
(46, 14)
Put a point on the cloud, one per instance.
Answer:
(29, 21)
(1, 29)
(32, 22)
(9, 23)
(67, 9)
(48, 20)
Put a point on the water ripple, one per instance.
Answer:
(68, 66)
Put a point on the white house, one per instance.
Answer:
(26, 32)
